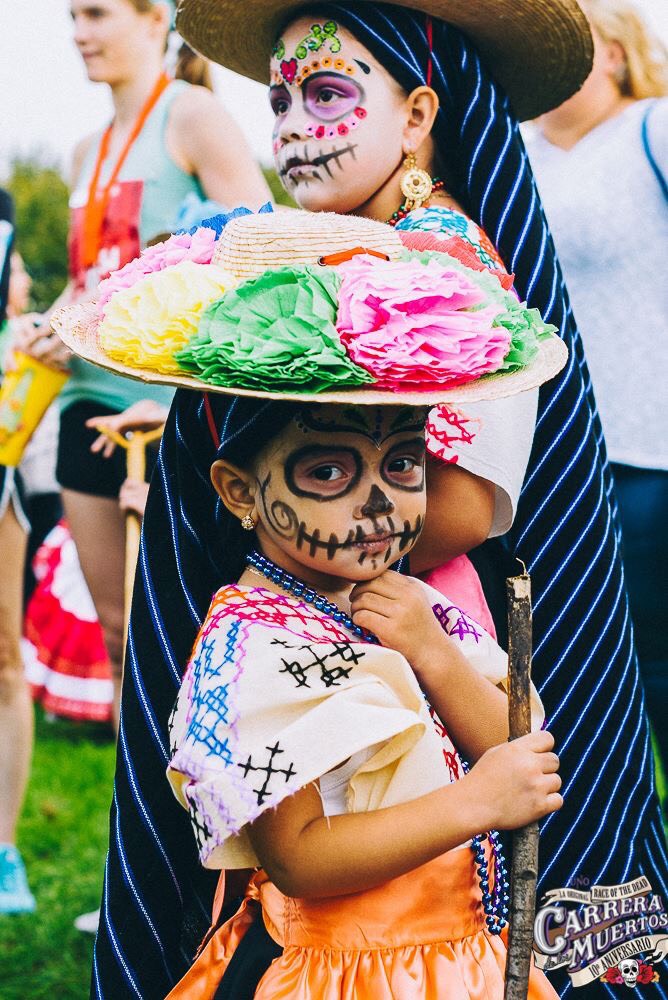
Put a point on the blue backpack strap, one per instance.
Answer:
(650, 156)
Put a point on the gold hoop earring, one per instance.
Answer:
(416, 184)
(247, 523)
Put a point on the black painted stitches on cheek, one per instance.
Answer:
(410, 533)
(311, 455)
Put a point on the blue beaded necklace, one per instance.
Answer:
(286, 581)
(495, 903)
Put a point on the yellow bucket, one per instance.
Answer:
(25, 395)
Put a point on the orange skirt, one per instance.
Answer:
(421, 936)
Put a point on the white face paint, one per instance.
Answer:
(339, 123)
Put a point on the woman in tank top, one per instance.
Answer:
(168, 140)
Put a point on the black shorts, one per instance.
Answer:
(78, 468)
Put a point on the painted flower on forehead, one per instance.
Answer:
(413, 325)
(275, 332)
(146, 323)
(197, 247)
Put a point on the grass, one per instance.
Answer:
(63, 838)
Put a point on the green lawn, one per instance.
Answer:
(63, 838)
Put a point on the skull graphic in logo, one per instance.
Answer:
(629, 969)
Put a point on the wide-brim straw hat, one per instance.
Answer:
(253, 244)
(540, 51)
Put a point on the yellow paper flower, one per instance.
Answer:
(145, 324)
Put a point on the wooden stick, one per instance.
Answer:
(524, 869)
(134, 444)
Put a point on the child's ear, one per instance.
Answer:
(235, 487)
(422, 106)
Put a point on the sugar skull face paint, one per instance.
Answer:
(341, 491)
(338, 135)
(334, 103)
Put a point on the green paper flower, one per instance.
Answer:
(526, 328)
(274, 332)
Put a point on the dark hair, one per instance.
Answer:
(193, 68)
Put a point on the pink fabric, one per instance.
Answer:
(459, 580)
(407, 323)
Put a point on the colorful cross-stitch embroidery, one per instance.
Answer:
(268, 678)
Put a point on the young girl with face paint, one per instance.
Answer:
(314, 769)
(316, 734)
(488, 67)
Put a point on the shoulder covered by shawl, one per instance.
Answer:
(276, 695)
(440, 228)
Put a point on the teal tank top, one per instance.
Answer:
(143, 205)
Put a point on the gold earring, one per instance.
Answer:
(416, 184)
(247, 523)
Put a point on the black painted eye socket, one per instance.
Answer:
(404, 465)
(321, 472)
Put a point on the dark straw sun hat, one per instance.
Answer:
(540, 51)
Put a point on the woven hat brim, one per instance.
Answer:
(540, 51)
(78, 325)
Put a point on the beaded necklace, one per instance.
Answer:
(495, 902)
(402, 211)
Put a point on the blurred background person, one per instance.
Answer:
(601, 162)
(169, 140)
(16, 714)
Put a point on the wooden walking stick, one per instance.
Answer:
(524, 869)
(134, 443)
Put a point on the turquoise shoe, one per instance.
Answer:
(15, 896)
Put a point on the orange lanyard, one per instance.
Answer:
(98, 201)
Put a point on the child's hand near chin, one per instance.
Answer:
(396, 609)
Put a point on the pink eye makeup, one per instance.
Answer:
(331, 96)
(336, 103)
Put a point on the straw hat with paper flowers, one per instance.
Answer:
(314, 307)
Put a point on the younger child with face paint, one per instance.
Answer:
(317, 733)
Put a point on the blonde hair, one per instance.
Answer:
(646, 68)
(190, 66)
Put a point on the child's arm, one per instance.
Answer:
(397, 610)
(460, 500)
(310, 856)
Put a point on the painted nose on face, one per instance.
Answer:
(376, 504)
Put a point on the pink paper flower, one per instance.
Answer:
(198, 248)
(414, 325)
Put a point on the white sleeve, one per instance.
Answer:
(501, 436)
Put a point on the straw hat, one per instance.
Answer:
(540, 51)
(254, 245)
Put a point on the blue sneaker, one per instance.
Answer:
(15, 895)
